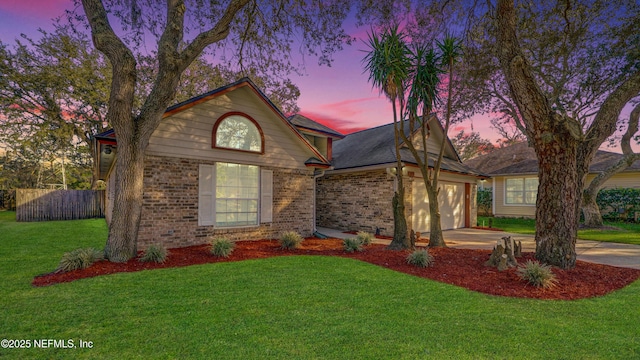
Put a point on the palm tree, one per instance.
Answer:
(425, 79)
(389, 65)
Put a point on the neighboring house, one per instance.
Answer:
(229, 163)
(356, 193)
(514, 177)
(226, 163)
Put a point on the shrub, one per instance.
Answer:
(79, 259)
(618, 204)
(485, 200)
(420, 258)
(154, 253)
(364, 237)
(222, 247)
(537, 274)
(290, 240)
(352, 244)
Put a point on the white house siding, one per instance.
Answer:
(620, 180)
(500, 209)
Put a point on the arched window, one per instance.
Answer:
(237, 131)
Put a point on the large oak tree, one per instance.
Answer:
(563, 71)
(253, 34)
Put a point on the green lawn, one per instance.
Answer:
(628, 233)
(298, 307)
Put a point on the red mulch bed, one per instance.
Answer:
(461, 267)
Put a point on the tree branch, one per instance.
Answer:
(215, 34)
(527, 95)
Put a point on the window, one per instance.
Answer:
(236, 195)
(521, 191)
(237, 131)
(231, 195)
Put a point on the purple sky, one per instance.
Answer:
(338, 96)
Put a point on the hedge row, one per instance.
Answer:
(619, 204)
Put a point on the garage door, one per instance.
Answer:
(451, 201)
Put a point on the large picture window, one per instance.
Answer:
(231, 195)
(237, 131)
(521, 191)
(237, 194)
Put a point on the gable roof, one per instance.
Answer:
(521, 159)
(376, 146)
(304, 123)
(109, 137)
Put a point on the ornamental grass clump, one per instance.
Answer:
(290, 240)
(222, 247)
(537, 274)
(154, 253)
(352, 245)
(420, 258)
(79, 259)
(364, 237)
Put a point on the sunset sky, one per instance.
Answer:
(338, 96)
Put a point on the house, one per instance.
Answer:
(229, 163)
(514, 177)
(357, 191)
(226, 163)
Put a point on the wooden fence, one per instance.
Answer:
(45, 204)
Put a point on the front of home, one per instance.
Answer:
(226, 163)
(356, 193)
(229, 164)
(514, 177)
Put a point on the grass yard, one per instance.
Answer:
(295, 307)
(628, 233)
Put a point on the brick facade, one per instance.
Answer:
(359, 201)
(170, 205)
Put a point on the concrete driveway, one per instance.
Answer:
(621, 255)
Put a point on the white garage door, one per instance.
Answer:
(451, 201)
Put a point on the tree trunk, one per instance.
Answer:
(127, 205)
(400, 239)
(591, 210)
(435, 227)
(559, 191)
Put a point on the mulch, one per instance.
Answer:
(460, 267)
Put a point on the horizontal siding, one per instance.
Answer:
(620, 180)
(188, 133)
(500, 209)
(433, 143)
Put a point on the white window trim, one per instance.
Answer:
(265, 200)
(504, 199)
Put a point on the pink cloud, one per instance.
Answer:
(347, 108)
(340, 125)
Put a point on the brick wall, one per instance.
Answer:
(170, 205)
(359, 201)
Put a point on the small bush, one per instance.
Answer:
(537, 274)
(420, 258)
(364, 237)
(352, 244)
(154, 253)
(290, 240)
(79, 259)
(222, 247)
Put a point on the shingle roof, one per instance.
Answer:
(521, 159)
(376, 146)
(306, 123)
